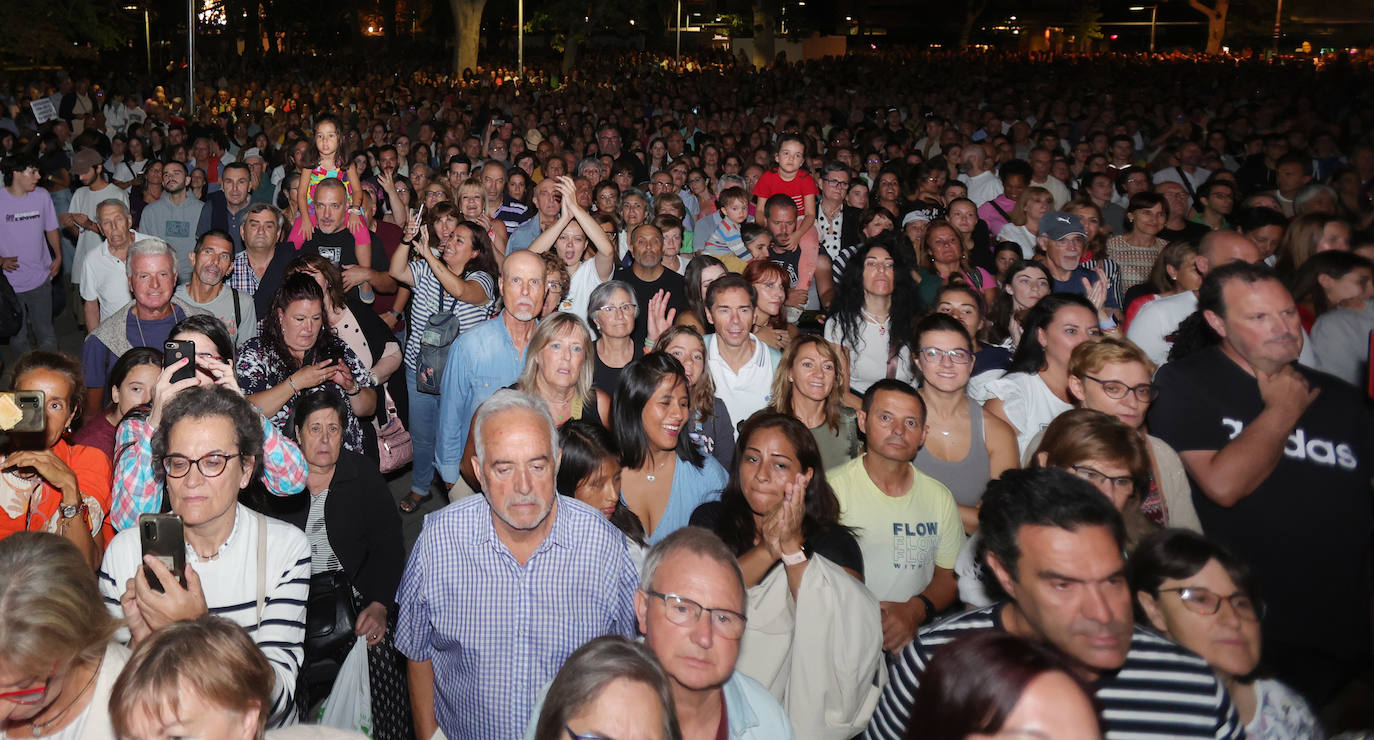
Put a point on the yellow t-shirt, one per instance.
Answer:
(903, 538)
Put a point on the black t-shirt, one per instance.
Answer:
(1192, 232)
(644, 291)
(1306, 530)
(789, 259)
(341, 249)
(835, 543)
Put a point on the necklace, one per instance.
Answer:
(651, 477)
(39, 728)
(139, 323)
(880, 322)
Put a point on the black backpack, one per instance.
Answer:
(11, 310)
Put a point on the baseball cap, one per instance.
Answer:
(251, 153)
(1057, 225)
(84, 160)
(920, 214)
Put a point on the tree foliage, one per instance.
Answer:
(59, 30)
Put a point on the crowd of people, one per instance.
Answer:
(902, 395)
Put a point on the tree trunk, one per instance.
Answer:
(389, 22)
(975, 9)
(467, 22)
(765, 26)
(1216, 23)
(570, 52)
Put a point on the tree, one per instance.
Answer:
(63, 29)
(1086, 26)
(974, 9)
(1216, 22)
(467, 34)
(765, 31)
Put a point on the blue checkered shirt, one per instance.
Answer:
(241, 277)
(497, 632)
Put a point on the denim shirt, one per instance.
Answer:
(480, 362)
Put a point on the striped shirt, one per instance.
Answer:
(230, 583)
(1162, 690)
(497, 631)
(428, 297)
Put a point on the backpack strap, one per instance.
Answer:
(238, 311)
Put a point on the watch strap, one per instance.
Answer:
(794, 558)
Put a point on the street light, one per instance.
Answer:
(520, 37)
(1154, 16)
(677, 21)
(147, 36)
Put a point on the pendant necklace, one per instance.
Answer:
(39, 728)
(880, 323)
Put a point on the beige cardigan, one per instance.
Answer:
(830, 686)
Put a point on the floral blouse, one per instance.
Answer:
(260, 368)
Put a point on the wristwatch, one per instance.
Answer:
(794, 558)
(71, 512)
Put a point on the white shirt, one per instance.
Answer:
(1057, 188)
(1027, 402)
(748, 390)
(229, 582)
(868, 360)
(1158, 319)
(85, 201)
(580, 288)
(1022, 236)
(1171, 174)
(982, 188)
(105, 278)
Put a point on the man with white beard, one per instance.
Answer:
(210, 263)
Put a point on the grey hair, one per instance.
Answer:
(632, 192)
(506, 400)
(588, 162)
(728, 180)
(589, 670)
(1307, 194)
(112, 203)
(276, 213)
(599, 296)
(149, 248)
(696, 541)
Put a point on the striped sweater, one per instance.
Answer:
(1162, 690)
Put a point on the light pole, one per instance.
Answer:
(677, 53)
(1278, 19)
(520, 37)
(1154, 17)
(147, 36)
(190, 57)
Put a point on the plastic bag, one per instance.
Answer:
(349, 706)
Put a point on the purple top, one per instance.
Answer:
(23, 224)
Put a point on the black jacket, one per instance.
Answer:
(363, 526)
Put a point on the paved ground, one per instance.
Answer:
(70, 339)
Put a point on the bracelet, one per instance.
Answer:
(648, 344)
(292, 383)
(794, 558)
(930, 606)
(396, 313)
(357, 388)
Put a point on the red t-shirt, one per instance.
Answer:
(801, 186)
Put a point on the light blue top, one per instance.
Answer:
(480, 362)
(692, 487)
(752, 712)
(523, 236)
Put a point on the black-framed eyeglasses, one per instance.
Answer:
(585, 735)
(683, 611)
(210, 466)
(958, 356)
(835, 183)
(1098, 478)
(1206, 602)
(1145, 392)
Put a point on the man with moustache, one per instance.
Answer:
(1053, 543)
(173, 217)
(501, 588)
(648, 278)
(486, 358)
(1279, 458)
(208, 291)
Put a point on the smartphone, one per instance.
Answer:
(23, 425)
(176, 349)
(162, 538)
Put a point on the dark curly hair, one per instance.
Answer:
(849, 294)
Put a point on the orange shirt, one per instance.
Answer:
(94, 472)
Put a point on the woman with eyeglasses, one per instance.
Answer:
(611, 311)
(1200, 595)
(1112, 375)
(240, 565)
(59, 662)
(966, 445)
(137, 489)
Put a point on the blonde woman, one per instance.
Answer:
(1024, 228)
(471, 200)
(59, 660)
(810, 385)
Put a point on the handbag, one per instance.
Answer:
(439, 332)
(393, 441)
(330, 614)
